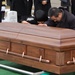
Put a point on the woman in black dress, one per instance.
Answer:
(42, 5)
(23, 8)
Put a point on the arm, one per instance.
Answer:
(48, 23)
(72, 24)
(25, 22)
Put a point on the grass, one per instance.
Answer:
(9, 72)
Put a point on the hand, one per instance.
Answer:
(44, 2)
(42, 25)
(25, 22)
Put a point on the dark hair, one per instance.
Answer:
(54, 11)
(40, 15)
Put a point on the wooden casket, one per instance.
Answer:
(47, 48)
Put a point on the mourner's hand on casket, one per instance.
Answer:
(25, 22)
(42, 24)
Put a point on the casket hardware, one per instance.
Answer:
(71, 62)
(23, 54)
(40, 58)
(7, 51)
(37, 59)
(43, 60)
(26, 56)
(52, 50)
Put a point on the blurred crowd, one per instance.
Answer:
(24, 7)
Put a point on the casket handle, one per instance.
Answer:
(26, 56)
(34, 58)
(7, 51)
(43, 60)
(23, 54)
(71, 62)
(40, 58)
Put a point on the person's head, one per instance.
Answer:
(55, 14)
(41, 16)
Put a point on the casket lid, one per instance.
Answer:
(47, 37)
(49, 32)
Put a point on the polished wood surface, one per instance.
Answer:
(47, 48)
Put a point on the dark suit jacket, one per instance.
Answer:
(68, 21)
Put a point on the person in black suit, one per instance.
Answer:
(40, 17)
(0, 9)
(3, 7)
(42, 5)
(23, 8)
(60, 18)
(73, 6)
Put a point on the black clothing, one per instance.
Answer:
(68, 21)
(40, 16)
(73, 6)
(39, 6)
(2, 15)
(0, 4)
(65, 4)
(31, 20)
(23, 7)
(28, 5)
(0, 9)
(3, 11)
(9, 2)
